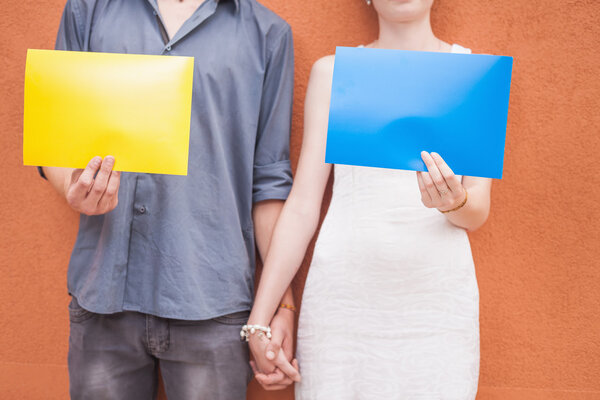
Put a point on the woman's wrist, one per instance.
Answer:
(287, 307)
(457, 206)
(250, 330)
(256, 318)
(258, 322)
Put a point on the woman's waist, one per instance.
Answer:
(379, 198)
(401, 214)
(394, 244)
(373, 268)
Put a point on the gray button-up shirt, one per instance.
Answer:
(183, 246)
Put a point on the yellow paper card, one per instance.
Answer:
(136, 108)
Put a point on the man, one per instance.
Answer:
(162, 270)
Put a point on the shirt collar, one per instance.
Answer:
(236, 2)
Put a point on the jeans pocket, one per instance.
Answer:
(77, 313)
(236, 318)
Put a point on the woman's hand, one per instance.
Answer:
(268, 372)
(440, 188)
(276, 380)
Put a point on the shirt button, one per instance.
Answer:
(154, 12)
(142, 210)
(168, 48)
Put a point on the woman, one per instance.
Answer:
(391, 304)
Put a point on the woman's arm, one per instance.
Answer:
(477, 208)
(299, 218)
(441, 189)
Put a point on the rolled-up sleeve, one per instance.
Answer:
(71, 32)
(71, 35)
(272, 176)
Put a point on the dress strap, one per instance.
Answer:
(457, 48)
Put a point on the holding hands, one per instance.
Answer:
(273, 365)
(439, 187)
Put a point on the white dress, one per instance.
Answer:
(391, 305)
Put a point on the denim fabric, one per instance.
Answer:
(117, 356)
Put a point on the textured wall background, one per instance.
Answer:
(537, 257)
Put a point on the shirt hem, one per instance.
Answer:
(168, 315)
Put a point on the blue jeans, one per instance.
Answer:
(117, 356)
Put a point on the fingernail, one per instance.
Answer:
(270, 355)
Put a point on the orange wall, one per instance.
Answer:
(537, 257)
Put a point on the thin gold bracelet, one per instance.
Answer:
(459, 206)
(288, 307)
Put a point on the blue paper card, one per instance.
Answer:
(389, 105)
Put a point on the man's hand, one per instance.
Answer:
(276, 380)
(272, 375)
(95, 189)
(282, 330)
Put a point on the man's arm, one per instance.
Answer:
(93, 190)
(59, 178)
(265, 215)
(272, 181)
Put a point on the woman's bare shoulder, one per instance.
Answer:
(323, 68)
